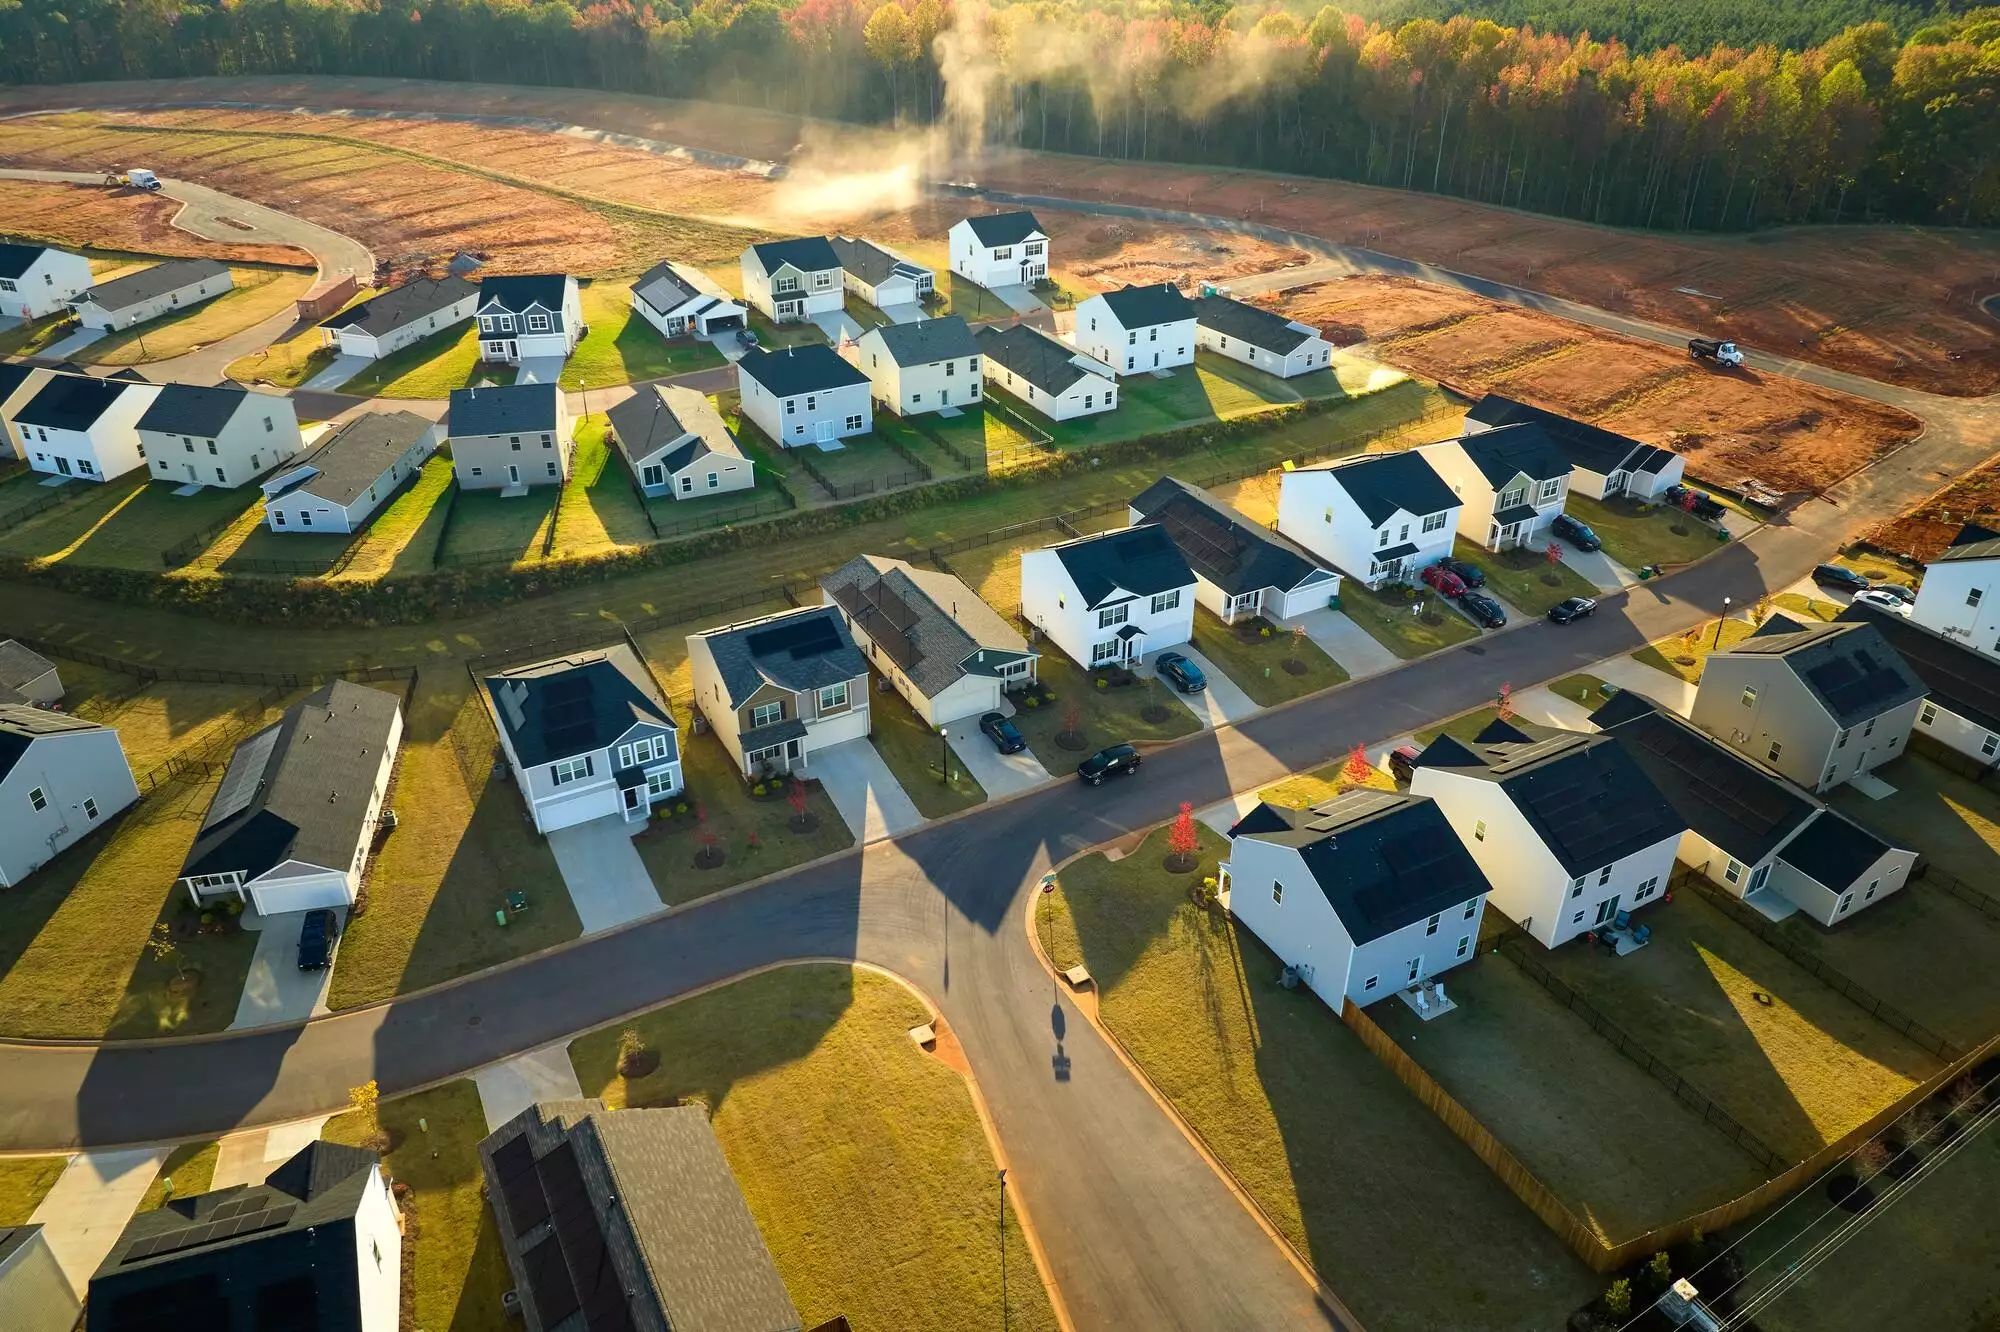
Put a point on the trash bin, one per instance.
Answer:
(1333, 602)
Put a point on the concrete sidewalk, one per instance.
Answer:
(506, 1089)
(863, 789)
(86, 1211)
(343, 369)
(73, 344)
(838, 324)
(607, 881)
(1018, 298)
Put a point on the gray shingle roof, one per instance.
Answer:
(1960, 679)
(664, 288)
(1048, 364)
(658, 416)
(12, 376)
(927, 341)
(1223, 546)
(1141, 560)
(21, 724)
(502, 410)
(1004, 228)
(356, 455)
(21, 665)
(519, 293)
(401, 306)
(870, 262)
(931, 625)
(189, 409)
(575, 704)
(151, 283)
(1973, 542)
(1505, 452)
(71, 402)
(1143, 307)
(796, 650)
(1849, 667)
(1590, 447)
(808, 254)
(1834, 850)
(1247, 323)
(813, 368)
(1382, 483)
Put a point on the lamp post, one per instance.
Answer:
(1718, 624)
(944, 756)
(1003, 1250)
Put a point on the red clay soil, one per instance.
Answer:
(90, 217)
(1924, 532)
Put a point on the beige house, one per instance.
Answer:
(512, 436)
(778, 689)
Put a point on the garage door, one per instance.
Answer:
(723, 323)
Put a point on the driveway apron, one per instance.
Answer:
(1018, 298)
(1608, 574)
(86, 1211)
(540, 370)
(863, 789)
(1221, 703)
(907, 312)
(343, 369)
(276, 990)
(837, 324)
(1346, 642)
(73, 344)
(505, 1090)
(607, 880)
(1001, 774)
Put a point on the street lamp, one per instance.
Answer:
(1718, 623)
(944, 756)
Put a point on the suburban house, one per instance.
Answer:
(1137, 330)
(921, 367)
(780, 688)
(509, 436)
(317, 1245)
(1961, 710)
(793, 279)
(804, 395)
(79, 426)
(1960, 596)
(18, 383)
(1566, 826)
(1110, 599)
(165, 287)
(222, 436)
(1259, 338)
(26, 676)
(1750, 831)
(528, 315)
(880, 276)
(1366, 894)
(1821, 703)
(347, 476)
(1379, 518)
(1605, 462)
(628, 1219)
(1050, 376)
(37, 281)
(1511, 482)
(588, 736)
(949, 654)
(60, 776)
(677, 444)
(680, 299)
(1241, 568)
(1000, 250)
(35, 1295)
(400, 316)
(293, 823)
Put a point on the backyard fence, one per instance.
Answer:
(56, 498)
(903, 451)
(555, 520)
(761, 509)
(1957, 887)
(1952, 760)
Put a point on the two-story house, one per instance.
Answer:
(349, 474)
(1049, 375)
(223, 436)
(588, 736)
(1604, 462)
(793, 279)
(1137, 330)
(151, 292)
(880, 276)
(18, 383)
(1259, 338)
(37, 281)
(779, 689)
(60, 778)
(83, 427)
(1511, 483)
(529, 316)
(680, 299)
(1821, 703)
(1000, 249)
(399, 317)
(504, 437)
(1241, 568)
(1109, 599)
(1960, 594)
(1565, 826)
(924, 366)
(1366, 894)
(26, 676)
(677, 444)
(1379, 519)
(1750, 831)
(805, 395)
(1961, 709)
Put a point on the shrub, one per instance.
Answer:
(1265, 632)
(1103, 683)
(758, 789)
(680, 807)
(1618, 1299)
(1031, 702)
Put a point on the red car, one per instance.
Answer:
(1447, 583)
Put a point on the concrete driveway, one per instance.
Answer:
(1001, 774)
(1221, 703)
(276, 990)
(506, 1089)
(250, 1157)
(1608, 574)
(86, 1211)
(540, 370)
(909, 312)
(1018, 298)
(837, 324)
(72, 344)
(607, 880)
(1346, 642)
(863, 789)
(343, 369)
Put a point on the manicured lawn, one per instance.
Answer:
(1307, 789)
(1683, 657)
(259, 294)
(430, 368)
(1262, 666)
(1583, 689)
(29, 339)
(862, 460)
(404, 536)
(1524, 579)
(124, 523)
(168, 717)
(916, 754)
(189, 1168)
(861, 1156)
(970, 301)
(984, 440)
(1107, 716)
(666, 650)
(1347, 1163)
(248, 540)
(600, 509)
(1953, 822)
(1391, 623)
(622, 348)
(21, 489)
(291, 362)
(24, 1182)
(1806, 609)
(487, 529)
(1636, 534)
(1879, 568)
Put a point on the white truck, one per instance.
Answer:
(137, 178)
(1722, 353)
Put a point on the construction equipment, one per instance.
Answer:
(1722, 353)
(138, 178)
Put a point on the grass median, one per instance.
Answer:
(1683, 657)
(1635, 534)
(1147, 709)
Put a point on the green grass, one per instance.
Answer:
(168, 717)
(487, 529)
(124, 523)
(917, 755)
(862, 1157)
(1391, 1209)
(1524, 579)
(1259, 665)
(189, 1168)
(1683, 657)
(1807, 608)
(21, 489)
(600, 509)
(969, 300)
(622, 348)
(1880, 568)
(24, 1182)
(30, 339)
(404, 536)
(1584, 689)
(1306, 789)
(290, 362)
(1636, 534)
(259, 294)
(1106, 716)
(1464, 728)
(429, 368)
(1393, 626)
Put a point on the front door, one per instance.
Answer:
(1607, 909)
(191, 472)
(1416, 969)
(794, 755)
(513, 351)
(513, 474)
(944, 397)
(1156, 360)
(62, 464)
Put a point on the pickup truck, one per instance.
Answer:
(1697, 502)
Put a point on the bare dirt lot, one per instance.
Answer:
(1924, 532)
(1731, 425)
(92, 218)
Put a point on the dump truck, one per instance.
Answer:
(138, 178)
(1708, 349)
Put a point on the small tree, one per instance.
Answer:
(1618, 1299)
(1358, 769)
(1871, 1158)
(1072, 720)
(1555, 558)
(1183, 840)
(795, 796)
(1298, 648)
(366, 1103)
(161, 946)
(1504, 707)
(1554, 553)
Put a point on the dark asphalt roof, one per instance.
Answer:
(576, 704)
(14, 1238)
(1383, 860)
(1584, 796)
(1590, 447)
(518, 293)
(869, 261)
(808, 254)
(1505, 452)
(20, 664)
(189, 409)
(1382, 483)
(1959, 679)
(299, 788)
(1834, 851)
(1140, 560)
(18, 259)
(926, 341)
(1849, 667)
(1247, 323)
(935, 643)
(148, 284)
(21, 724)
(1223, 546)
(71, 402)
(796, 650)
(813, 368)
(12, 376)
(1004, 228)
(399, 306)
(1035, 356)
(1514, 513)
(661, 415)
(1142, 307)
(356, 455)
(502, 410)
(1973, 542)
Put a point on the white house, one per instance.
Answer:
(925, 366)
(678, 445)
(509, 436)
(337, 486)
(1511, 483)
(1259, 338)
(780, 689)
(224, 436)
(60, 777)
(1137, 330)
(1053, 377)
(1565, 826)
(1961, 710)
(18, 383)
(83, 427)
(680, 299)
(879, 275)
(1110, 599)
(1379, 518)
(588, 736)
(528, 316)
(804, 395)
(1604, 462)
(1000, 249)
(152, 292)
(949, 654)
(26, 676)
(1366, 894)
(1960, 595)
(1241, 568)
(37, 281)
(793, 279)
(400, 316)
(293, 823)
(34, 1290)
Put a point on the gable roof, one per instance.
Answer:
(12, 376)
(1590, 447)
(870, 262)
(666, 287)
(20, 664)
(576, 704)
(190, 409)
(71, 402)
(1849, 667)
(1223, 546)
(808, 254)
(354, 457)
(1142, 307)
(927, 341)
(502, 409)
(1508, 451)
(1004, 228)
(515, 293)
(398, 307)
(1247, 323)
(932, 626)
(813, 368)
(21, 724)
(1141, 560)
(1048, 364)
(796, 650)
(150, 283)
(1973, 542)
(1958, 678)
(299, 788)
(658, 415)
(18, 259)
(1835, 850)
(1383, 483)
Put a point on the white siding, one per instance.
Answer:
(1051, 602)
(109, 448)
(378, 1258)
(1961, 600)
(1317, 512)
(263, 433)
(1087, 397)
(1946, 727)
(1315, 353)
(1132, 351)
(356, 342)
(47, 286)
(68, 768)
(807, 418)
(997, 265)
(90, 315)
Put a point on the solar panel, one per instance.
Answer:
(1350, 808)
(1416, 857)
(809, 637)
(208, 1232)
(244, 777)
(548, 1281)
(598, 1290)
(1204, 536)
(1528, 755)
(520, 1189)
(887, 619)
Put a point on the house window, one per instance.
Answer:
(713, 481)
(833, 697)
(1105, 651)
(277, 517)
(305, 518)
(187, 445)
(548, 441)
(89, 808)
(1166, 601)
(1771, 755)
(1972, 597)
(854, 422)
(1471, 908)
(791, 407)
(785, 284)
(1277, 892)
(1385, 539)
(1003, 252)
(1576, 887)
(1089, 401)
(267, 425)
(39, 801)
(1034, 248)
(1510, 499)
(812, 402)
(564, 771)
(1846, 901)
(552, 469)
(1549, 489)
(1479, 831)
(1928, 715)
(1369, 984)
(221, 476)
(478, 471)
(1646, 890)
(1733, 871)
(1989, 744)
(538, 323)
(950, 369)
(1840, 741)
(642, 751)
(1873, 884)
(1111, 615)
(1869, 729)
(514, 443)
(660, 783)
(687, 482)
(1432, 522)
(1432, 927)
(1604, 876)
(1404, 533)
(1416, 966)
(1831, 769)
(83, 465)
(211, 448)
(1132, 338)
(767, 714)
(916, 398)
(1749, 695)
(1464, 944)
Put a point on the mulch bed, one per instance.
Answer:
(1155, 713)
(1180, 864)
(1071, 740)
(709, 857)
(638, 1064)
(803, 823)
(1293, 666)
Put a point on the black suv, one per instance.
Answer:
(316, 939)
(1484, 609)
(1839, 577)
(1577, 533)
(1006, 736)
(1468, 573)
(1114, 761)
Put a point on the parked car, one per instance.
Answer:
(1181, 673)
(1484, 609)
(1906, 595)
(1114, 761)
(1703, 504)
(1839, 577)
(745, 338)
(1577, 533)
(1469, 573)
(1575, 608)
(1403, 762)
(1447, 583)
(317, 936)
(1006, 736)
(1880, 599)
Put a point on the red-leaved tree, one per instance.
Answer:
(1505, 709)
(1358, 769)
(795, 796)
(1182, 839)
(1555, 553)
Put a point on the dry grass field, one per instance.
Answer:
(121, 221)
